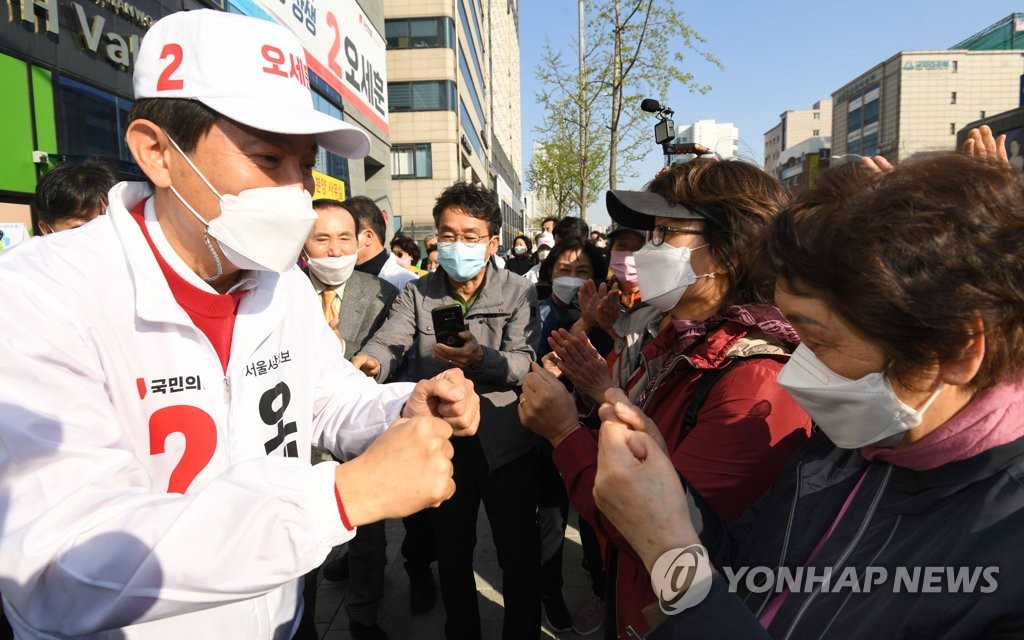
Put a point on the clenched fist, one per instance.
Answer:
(407, 469)
(450, 396)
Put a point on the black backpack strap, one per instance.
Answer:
(701, 390)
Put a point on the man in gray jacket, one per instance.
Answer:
(499, 466)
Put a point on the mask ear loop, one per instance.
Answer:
(709, 276)
(206, 225)
(927, 403)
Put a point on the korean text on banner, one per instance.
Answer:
(328, 187)
(342, 47)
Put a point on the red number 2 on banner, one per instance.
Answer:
(200, 441)
(332, 55)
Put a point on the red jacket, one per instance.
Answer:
(745, 432)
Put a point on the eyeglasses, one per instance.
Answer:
(468, 238)
(660, 232)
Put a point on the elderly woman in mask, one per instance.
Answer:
(708, 380)
(907, 288)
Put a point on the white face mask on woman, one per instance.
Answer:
(664, 272)
(852, 413)
(565, 288)
(261, 229)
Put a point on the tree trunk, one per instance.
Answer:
(613, 134)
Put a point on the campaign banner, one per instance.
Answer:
(328, 187)
(342, 47)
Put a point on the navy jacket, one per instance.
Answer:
(967, 516)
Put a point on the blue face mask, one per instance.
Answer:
(460, 260)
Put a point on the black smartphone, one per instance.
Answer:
(448, 322)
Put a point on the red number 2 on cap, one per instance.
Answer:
(166, 83)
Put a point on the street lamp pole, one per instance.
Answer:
(580, 102)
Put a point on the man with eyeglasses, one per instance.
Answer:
(499, 466)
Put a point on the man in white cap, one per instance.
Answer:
(166, 369)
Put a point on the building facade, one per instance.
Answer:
(721, 137)
(66, 67)
(453, 86)
(795, 126)
(799, 165)
(918, 100)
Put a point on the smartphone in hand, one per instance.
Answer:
(448, 322)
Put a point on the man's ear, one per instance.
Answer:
(150, 148)
(962, 369)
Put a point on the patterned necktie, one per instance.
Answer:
(328, 297)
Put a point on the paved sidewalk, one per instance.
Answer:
(400, 624)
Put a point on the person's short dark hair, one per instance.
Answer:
(910, 258)
(185, 121)
(576, 243)
(473, 200)
(368, 216)
(331, 203)
(526, 239)
(746, 199)
(406, 244)
(552, 219)
(73, 190)
(571, 227)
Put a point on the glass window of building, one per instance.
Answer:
(92, 121)
(467, 81)
(869, 145)
(327, 100)
(432, 95)
(411, 161)
(470, 131)
(419, 33)
(853, 120)
(870, 111)
(474, 56)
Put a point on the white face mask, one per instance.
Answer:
(405, 260)
(262, 229)
(852, 413)
(332, 271)
(565, 288)
(543, 254)
(664, 272)
(519, 250)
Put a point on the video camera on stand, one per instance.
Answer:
(665, 132)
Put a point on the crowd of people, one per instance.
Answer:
(212, 380)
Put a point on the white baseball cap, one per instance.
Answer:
(249, 70)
